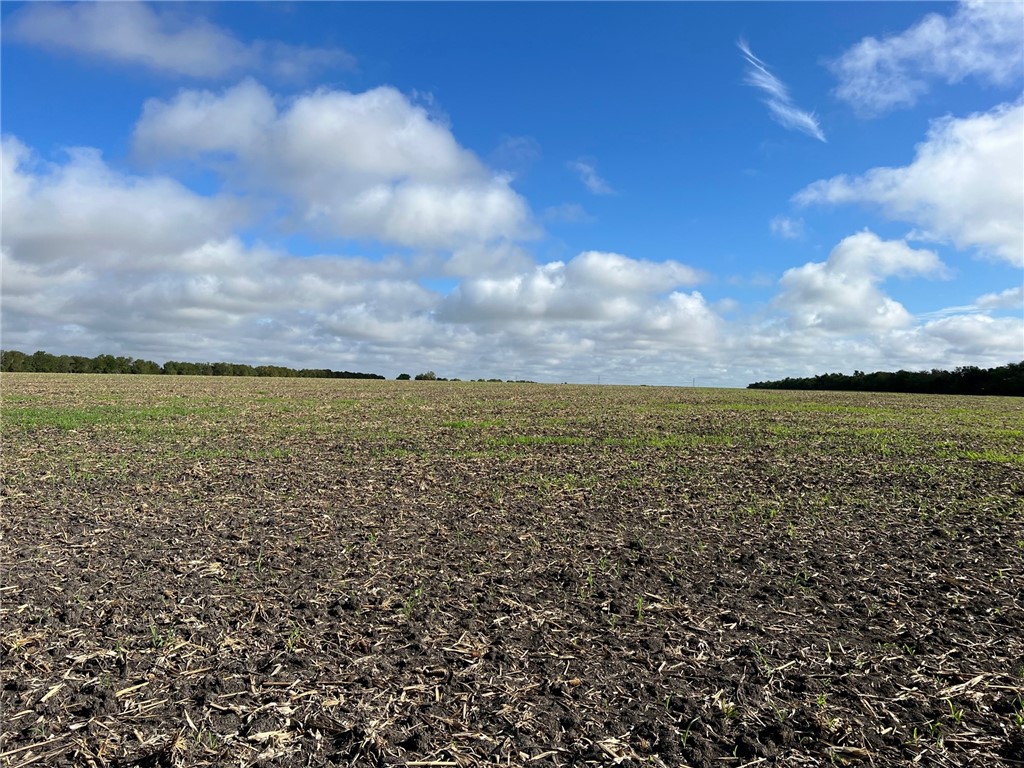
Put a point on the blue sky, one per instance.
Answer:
(649, 192)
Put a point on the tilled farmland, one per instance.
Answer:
(279, 572)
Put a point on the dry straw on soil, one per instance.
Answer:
(301, 573)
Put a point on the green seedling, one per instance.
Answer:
(410, 602)
(686, 734)
(293, 638)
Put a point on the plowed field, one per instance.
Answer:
(281, 572)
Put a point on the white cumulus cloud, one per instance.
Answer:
(963, 336)
(84, 212)
(842, 294)
(981, 39)
(965, 184)
(357, 165)
(99, 261)
(1011, 298)
(164, 39)
(606, 289)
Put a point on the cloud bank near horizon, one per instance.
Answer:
(99, 261)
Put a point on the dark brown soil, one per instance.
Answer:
(361, 574)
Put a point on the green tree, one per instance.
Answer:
(81, 364)
(12, 361)
(43, 362)
(145, 366)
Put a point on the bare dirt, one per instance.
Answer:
(300, 573)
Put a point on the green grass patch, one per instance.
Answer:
(670, 441)
(541, 440)
(8, 398)
(473, 424)
(992, 455)
(569, 481)
(74, 418)
(54, 418)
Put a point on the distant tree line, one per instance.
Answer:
(966, 380)
(13, 361)
(431, 376)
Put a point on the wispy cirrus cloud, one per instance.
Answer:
(567, 213)
(787, 228)
(779, 102)
(588, 174)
